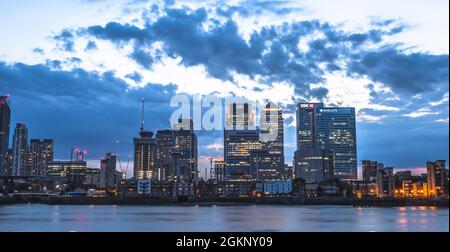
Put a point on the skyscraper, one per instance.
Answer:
(314, 165)
(186, 145)
(239, 116)
(20, 151)
(239, 141)
(336, 130)
(312, 162)
(306, 125)
(145, 153)
(272, 135)
(5, 117)
(108, 173)
(40, 153)
(329, 128)
(145, 150)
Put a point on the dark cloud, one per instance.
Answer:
(405, 73)
(271, 53)
(80, 108)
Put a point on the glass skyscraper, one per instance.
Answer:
(336, 130)
(331, 129)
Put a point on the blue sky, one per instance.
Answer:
(76, 70)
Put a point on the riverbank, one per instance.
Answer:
(356, 202)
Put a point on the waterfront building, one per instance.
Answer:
(74, 172)
(274, 188)
(40, 153)
(332, 129)
(364, 189)
(92, 177)
(437, 178)
(20, 151)
(298, 187)
(385, 182)
(5, 118)
(127, 187)
(236, 189)
(108, 173)
(208, 189)
(369, 170)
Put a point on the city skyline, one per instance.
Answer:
(67, 85)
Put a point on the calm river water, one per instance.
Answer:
(37, 217)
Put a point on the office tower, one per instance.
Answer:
(5, 117)
(186, 146)
(306, 125)
(265, 166)
(40, 153)
(336, 130)
(74, 172)
(369, 170)
(237, 149)
(314, 165)
(312, 161)
(145, 153)
(239, 140)
(145, 147)
(165, 140)
(20, 150)
(272, 135)
(329, 128)
(385, 185)
(239, 116)
(108, 173)
(437, 178)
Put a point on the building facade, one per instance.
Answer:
(369, 170)
(437, 178)
(272, 135)
(5, 119)
(108, 172)
(145, 154)
(314, 165)
(74, 172)
(40, 153)
(20, 151)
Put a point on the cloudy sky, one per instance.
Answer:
(76, 70)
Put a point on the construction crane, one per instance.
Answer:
(124, 171)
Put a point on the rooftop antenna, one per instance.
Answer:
(142, 115)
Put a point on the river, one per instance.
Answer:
(239, 218)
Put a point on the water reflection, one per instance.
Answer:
(221, 218)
